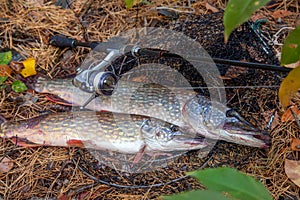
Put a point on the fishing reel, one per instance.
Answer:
(97, 77)
(101, 83)
(101, 78)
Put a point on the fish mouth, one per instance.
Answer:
(189, 139)
(236, 126)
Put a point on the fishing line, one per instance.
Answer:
(83, 170)
(226, 87)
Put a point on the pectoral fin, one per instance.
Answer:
(139, 155)
(75, 143)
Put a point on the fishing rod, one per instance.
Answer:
(62, 41)
(98, 79)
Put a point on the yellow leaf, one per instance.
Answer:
(289, 87)
(292, 170)
(29, 67)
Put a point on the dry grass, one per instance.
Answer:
(49, 172)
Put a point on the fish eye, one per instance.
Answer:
(174, 128)
(230, 113)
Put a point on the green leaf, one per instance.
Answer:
(291, 47)
(2, 79)
(197, 194)
(129, 3)
(5, 57)
(18, 86)
(238, 12)
(236, 184)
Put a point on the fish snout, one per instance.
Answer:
(167, 139)
(250, 135)
(265, 137)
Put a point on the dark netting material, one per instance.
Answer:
(250, 91)
(208, 30)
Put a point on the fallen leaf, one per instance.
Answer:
(295, 146)
(131, 3)
(281, 14)
(18, 86)
(257, 16)
(293, 65)
(2, 79)
(289, 86)
(288, 116)
(5, 57)
(212, 8)
(5, 70)
(16, 66)
(291, 48)
(63, 197)
(6, 164)
(29, 67)
(292, 170)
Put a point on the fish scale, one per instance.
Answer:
(101, 130)
(151, 100)
(184, 108)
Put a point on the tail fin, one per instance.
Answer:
(39, 84)
(2, 120)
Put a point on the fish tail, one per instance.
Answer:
(40, 84)
(2, 121)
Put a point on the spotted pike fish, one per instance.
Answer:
(130, 134)
(183, 108)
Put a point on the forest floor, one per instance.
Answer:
(71, 173)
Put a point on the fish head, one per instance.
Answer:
(169, 138)
(243, 132)
(216, 121)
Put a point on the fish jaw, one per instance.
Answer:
(164, 139)
(216, 121)
(245, 133)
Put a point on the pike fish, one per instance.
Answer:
(130, 134)
(183, 108)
